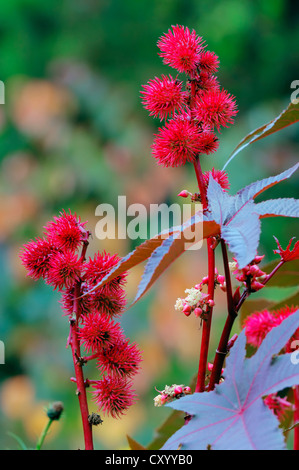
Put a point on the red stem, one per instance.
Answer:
(206, 328)
(200, 181)
(296, 417)
(222, 348)
(232, 315)
(75, 346)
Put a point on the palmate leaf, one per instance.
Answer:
(234, 416)
(170, 250)
(284, 207)
(289, 116)
(239, 217)
(161, 251)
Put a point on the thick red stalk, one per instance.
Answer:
(296, 417)
(232, 314)
(206, 328)
(222, 348)
(75, 346)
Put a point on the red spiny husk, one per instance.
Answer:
(208, 61)
(114, 395)
(99, 266)
(36, 256)
(181, 48)
(122, 359)
(64, 270)
(181, 140)
(216, 108)
(66, 231)
(98, 332)
(219, 175)
(258, 325)
(163, 96)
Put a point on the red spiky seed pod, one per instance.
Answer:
(113, 395)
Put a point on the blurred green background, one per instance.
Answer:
(73, 134)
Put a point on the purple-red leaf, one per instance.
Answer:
(172, 248)
(234, 415)
(284, 207)
(238, 216)
(162, 250)
(254, 189)
(242, 234)
(286, 118)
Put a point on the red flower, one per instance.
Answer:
(98, 332)
(121, 359)
(219, 175)
(64, 270)
(179, 141)
(277, 404)
(181, 48)
(216, 108)
(114, 395)
(163, 96)
(36, 256)
(66, 231)
(209, 61)
(288, 254)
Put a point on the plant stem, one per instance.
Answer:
(200, 181)
(43, 435)
(232, 314)
(75, 346)
(296, 417)
(206, 328)
(247, 292)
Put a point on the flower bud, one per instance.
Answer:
(255, 286)
(54, 411)
(197, 312)
(187, 310)
(164, 399)
(178, 390)
(184, 193)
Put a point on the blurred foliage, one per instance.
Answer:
(73, 134)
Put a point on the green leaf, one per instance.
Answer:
(289, 116)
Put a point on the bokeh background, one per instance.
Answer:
(73, 134)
